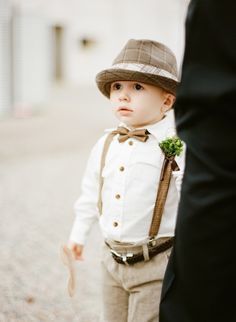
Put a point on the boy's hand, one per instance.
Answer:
(77, 250)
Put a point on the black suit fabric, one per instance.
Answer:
(200, 281)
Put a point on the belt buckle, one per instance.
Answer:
(123, 257)
(126, 256)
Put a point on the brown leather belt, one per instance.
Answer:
(129, 258)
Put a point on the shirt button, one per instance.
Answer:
(115, 224)
(131, 142)
(117, 196)
(122, 168)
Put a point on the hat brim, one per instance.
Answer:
(105, 78)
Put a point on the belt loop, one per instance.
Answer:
(145, 252)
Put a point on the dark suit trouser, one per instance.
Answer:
(200, 281)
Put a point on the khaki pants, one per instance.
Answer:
(132, 293)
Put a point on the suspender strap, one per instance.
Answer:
(161, 196)
(103, 159)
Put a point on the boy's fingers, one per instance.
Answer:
(79, 257)
(76, 250)
(78, 254)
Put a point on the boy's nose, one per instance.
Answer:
(124, 96)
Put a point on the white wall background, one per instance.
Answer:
(5, 57)
(31, 58)
(108, 22)
(111, 24)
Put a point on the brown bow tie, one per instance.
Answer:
(124, 134)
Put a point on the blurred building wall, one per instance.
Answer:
(71, 40)
(5, 57)
(25, 58)
(31, 59)
(95, 31)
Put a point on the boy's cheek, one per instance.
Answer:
(114, 108)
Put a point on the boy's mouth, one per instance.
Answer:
(124, 109)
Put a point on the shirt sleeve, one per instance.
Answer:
(86, 210)
(178, 175)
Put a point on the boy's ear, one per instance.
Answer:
(168, 102)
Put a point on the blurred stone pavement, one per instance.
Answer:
(42, 159)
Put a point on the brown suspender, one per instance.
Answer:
(161, 193)
(160, 199)
(103, 159)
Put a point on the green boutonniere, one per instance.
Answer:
(171, 146)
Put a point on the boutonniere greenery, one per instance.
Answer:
(171, 146)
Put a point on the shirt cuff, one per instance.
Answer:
(79, 233)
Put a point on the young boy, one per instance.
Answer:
(122, 185)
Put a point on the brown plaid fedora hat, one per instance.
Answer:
(145, 61)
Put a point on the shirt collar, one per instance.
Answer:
(161, 129)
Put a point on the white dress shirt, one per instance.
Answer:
(131, 178)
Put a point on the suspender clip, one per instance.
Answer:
(152, 242)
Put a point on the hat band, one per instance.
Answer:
(146, 69)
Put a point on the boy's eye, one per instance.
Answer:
(116, 86)
(138, 87)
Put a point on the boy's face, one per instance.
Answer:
(137, 104)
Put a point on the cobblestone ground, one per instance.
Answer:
(42, 159)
